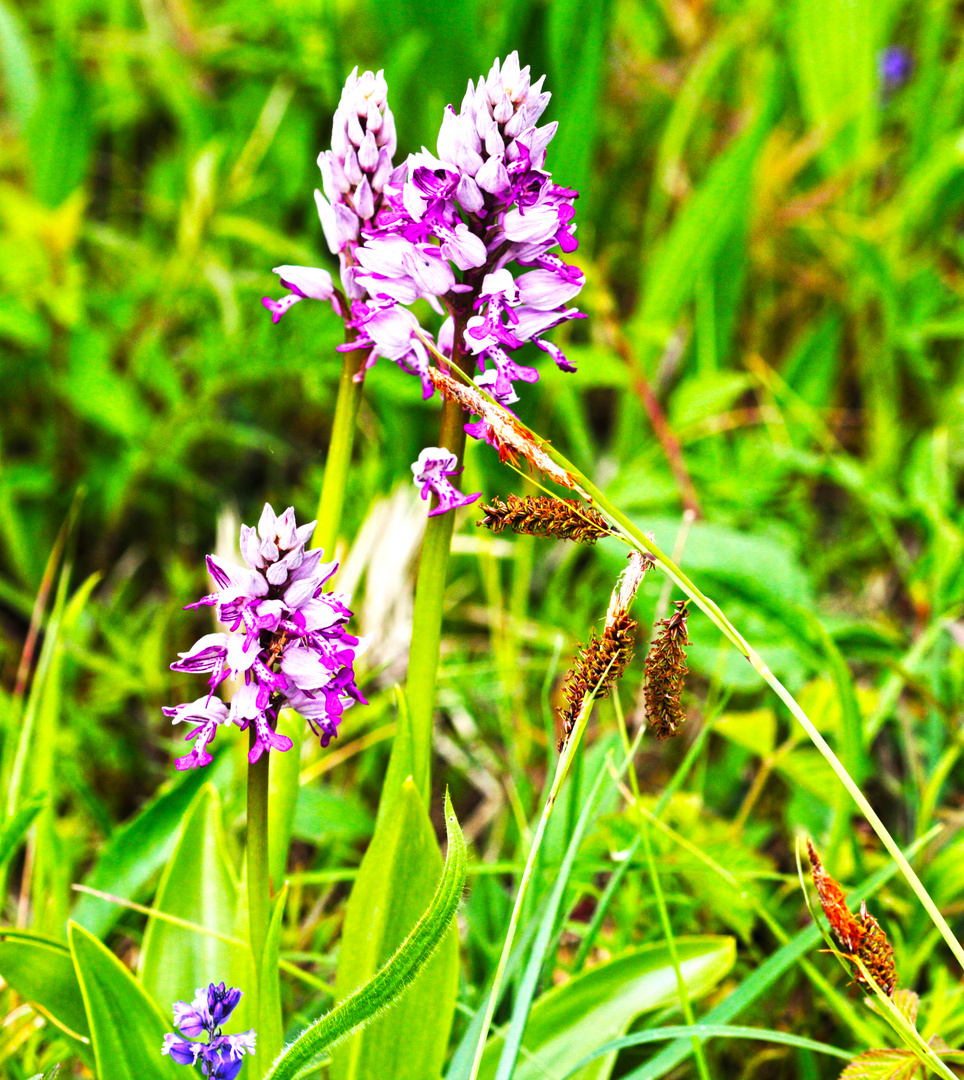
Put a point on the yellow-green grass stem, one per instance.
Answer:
(562, 770)
(338, 462)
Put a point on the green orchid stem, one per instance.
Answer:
(642, 543)
(259, 895)
(421, 684)
(338, 462)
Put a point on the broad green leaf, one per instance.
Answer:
(269, 1026)
(126, 1027)
(394, 886)
(282, 797)
(401, 762)
(60, 129)
(198, 885)
(135, 853)
(41, 971)
(755, 730)
(569, 1022)
(324, 814)
(833, 50)
(393, 982)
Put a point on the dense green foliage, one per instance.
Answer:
(772, 239)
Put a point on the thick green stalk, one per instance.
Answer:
(338, 462)
(420, 687)
(259, 895)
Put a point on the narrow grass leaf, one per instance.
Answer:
(760, 980)
(14, 831)
(572, 1027)
(530, 977)
(710, 1031)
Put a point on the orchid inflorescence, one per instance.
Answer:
(288, 642)
(447, 228)
(221, 1056)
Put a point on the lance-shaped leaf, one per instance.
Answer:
(396, 976)
(135, 853)
(126, 1027)
(42, 972)
(197, 885)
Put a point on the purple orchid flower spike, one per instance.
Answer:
(895, 65)
(221, 1056)
(432, 471)
(353, 176)
(471, 230)
(287, 642)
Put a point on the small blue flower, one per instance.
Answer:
(221, 1055)
(895, 66)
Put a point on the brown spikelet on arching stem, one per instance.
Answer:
(543, 515)
(600, 663)
(597, 666)
(859, 936)
(665, 672)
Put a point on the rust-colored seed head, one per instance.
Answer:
(502, 429)
(665, 672)
(597, 667)
(858, 935)
(543, 515)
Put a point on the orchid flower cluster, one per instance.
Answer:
(221, 1056)
(288, 642)
(470, 229)
(353, 175)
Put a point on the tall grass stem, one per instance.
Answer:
(338, 462)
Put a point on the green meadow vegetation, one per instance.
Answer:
(769, 387)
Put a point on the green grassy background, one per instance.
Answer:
(773, 245)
